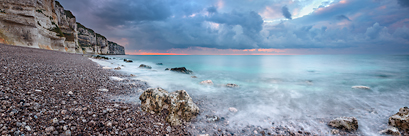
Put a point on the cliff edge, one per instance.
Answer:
(46, 24)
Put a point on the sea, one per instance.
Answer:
(298, 91)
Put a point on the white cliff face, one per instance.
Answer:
(45, 24)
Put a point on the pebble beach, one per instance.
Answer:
(44, 92)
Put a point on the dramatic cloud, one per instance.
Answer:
(164, 25)
(286, 13)
(404, 3)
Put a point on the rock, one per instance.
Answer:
(55, 121)
(145, 66)
(117, 68)
(179, 104)
(180, 70)
(159, 63)
(203, 134)
(108, 124)
(106, 68)
(128, 60)
(194, 76)
(335, 131)
(361, 87)
(391, 131)
(401, 119)
(63, 112)
(28, 128)
(49, 129)
(344, 123)
(67, 133)
(232, 109)
(232, 85)
(132, 75)
(207, 82)
(103, 90)
(212, 118)
(38, 91)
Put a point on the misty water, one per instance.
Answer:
(296, 91)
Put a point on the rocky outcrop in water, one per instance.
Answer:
(177, 105)
(401, 119)
(180, 70)
(145, 66)
(344, 123)
(46, 24)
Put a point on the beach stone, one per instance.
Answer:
(361, 87)
(344, 123)
(67, 133)
(212, 118)
(145, 66)
(37, 90)
(49, 129)
(207, 82)
(179, 104)
(232, 85)
(391, 131)
(106, 68)
(401, 119)
(232, 109)
(103, 90)
(335, 131)
(117, 68)
(180, 70)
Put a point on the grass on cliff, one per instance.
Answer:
(57, 30)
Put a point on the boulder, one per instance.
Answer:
(159, 63)
(344, 123)
(194, 76)
(127, 60)
(145, 66)
(231, 85)
(118, 68)
(177, 105)
(391, 131)
(401, 119)
(181, 70)
(207, 82)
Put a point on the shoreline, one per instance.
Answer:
(50, 92)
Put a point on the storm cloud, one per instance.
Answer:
(286, 13)
(231, 24)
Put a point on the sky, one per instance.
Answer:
(249, 27)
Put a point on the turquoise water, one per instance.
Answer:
(299, 90)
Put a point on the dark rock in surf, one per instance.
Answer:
(180, 70)
(127, 60)
(344, 123)
(159, 63)
(232, 85)
(145, 66)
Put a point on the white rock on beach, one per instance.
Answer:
(106, 68)
(360, 87)
(207, 82)
(103, 90)
(232, 109)
(116, 78)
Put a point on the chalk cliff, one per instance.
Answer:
(46, 24)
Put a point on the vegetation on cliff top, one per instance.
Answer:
(69, 14)
(79, 25)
